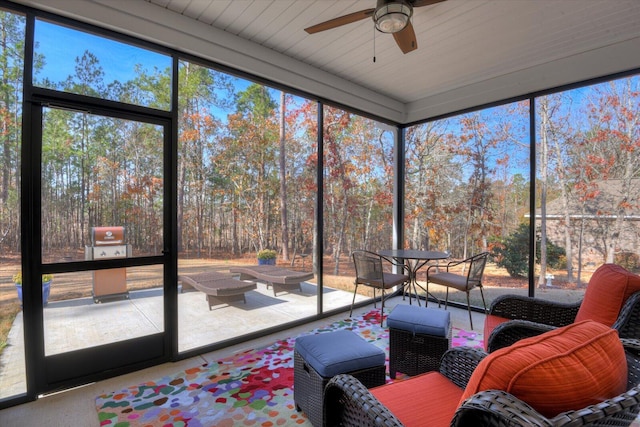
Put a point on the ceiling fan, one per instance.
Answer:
(390, 16)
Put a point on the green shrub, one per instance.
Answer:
(267, 254)
(512, 252)
(628, 260)
(17, 278)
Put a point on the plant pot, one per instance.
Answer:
(271, 261)
(46, 290)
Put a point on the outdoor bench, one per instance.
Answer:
(277, 277)
(219, 287)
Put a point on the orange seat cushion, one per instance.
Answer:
(490, 323)
(561, 370)
(608, 290)
(427, 399)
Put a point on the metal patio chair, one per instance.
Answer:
(474, 268)
(369, 272)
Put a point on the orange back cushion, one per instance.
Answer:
(564, 369)
(609, 288)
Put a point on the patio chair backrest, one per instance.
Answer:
(476, 268)
(368, 267)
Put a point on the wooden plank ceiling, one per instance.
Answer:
(470, 52)
(460, 42)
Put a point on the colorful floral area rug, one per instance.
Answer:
(252, 388)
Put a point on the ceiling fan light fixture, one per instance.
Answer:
(392, 17)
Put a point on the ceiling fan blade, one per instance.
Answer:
(406, 39)
(420, 3)
(339, 21)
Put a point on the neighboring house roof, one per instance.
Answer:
(607, 195)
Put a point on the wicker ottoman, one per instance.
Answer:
(318, 358)
(418, 337)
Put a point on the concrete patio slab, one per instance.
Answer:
(80, 323)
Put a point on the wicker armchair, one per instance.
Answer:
(533, 316)
(348, 403)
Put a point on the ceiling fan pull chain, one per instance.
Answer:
(374, 44)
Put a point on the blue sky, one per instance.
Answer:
(61, 46)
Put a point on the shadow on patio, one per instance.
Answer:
(73, 324)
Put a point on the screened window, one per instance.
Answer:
(588, 162)
(78, 62)
(467, 191)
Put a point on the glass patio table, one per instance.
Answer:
(414, 260)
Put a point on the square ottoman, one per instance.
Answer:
(418, 337)
(318, 358)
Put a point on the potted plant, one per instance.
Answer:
(46, 286)
(267, 257)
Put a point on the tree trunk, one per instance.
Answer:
(283, 180)
(544, 156)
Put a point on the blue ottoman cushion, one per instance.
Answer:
(339, 352)
(423, 321)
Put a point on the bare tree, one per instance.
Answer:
(283, 180)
